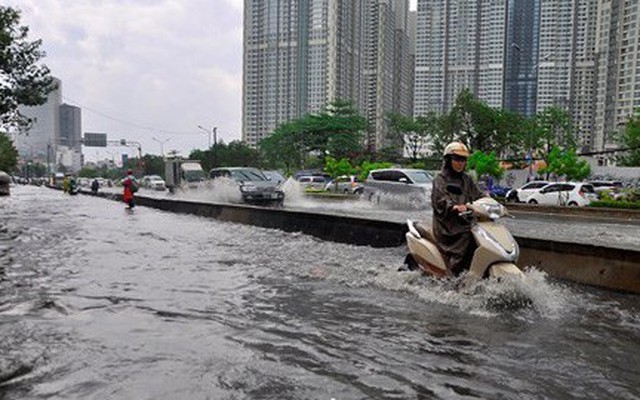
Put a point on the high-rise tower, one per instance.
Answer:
(528, 55)
(617, 54)
(299, 55)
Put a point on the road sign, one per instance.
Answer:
(95, 139)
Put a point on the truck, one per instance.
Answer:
(180, 172)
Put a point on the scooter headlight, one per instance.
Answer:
(494, 211)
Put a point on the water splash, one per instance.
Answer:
(294, 193)
(404, 201)
(218, 190)
(489, 298)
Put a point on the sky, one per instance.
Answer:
(149, 71)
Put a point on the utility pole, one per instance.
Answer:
(214, 132)
(215, 147)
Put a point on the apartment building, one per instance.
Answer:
(460, 44)
(617, 54)
(528, 55)
(299, 55)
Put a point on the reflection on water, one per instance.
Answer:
(99, 303)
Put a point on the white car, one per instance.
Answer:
(153, 182)
(522, 194)
(564, 194)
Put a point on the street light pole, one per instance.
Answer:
(161, 142)
(208, 133)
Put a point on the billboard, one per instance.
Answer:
(95, 139)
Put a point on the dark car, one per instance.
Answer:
(254, 186)
(499, 191)
(275, 176)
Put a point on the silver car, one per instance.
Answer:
(345, 184)
(397, 185)
(254, 186)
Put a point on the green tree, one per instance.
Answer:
(412, 132)
(441, 130)
(284, 148)
(552, 127)
(239, 154)
(478, 125)
(485, 165)
(338, 131)
(8, 154)
(474, 121)
(567, 163)
(630, 139)
(152, 165)
(23, 80)
(512, 133)
(234, 154)
(336, 168)
(342, 127)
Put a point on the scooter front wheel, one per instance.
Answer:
(411, 263)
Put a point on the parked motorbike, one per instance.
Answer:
(496, 253)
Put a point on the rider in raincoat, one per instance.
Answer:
(451, 230)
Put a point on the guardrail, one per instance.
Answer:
(611, 268)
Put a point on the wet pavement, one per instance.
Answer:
(97, 302)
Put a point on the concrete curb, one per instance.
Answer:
(583, 212)
(601, 213)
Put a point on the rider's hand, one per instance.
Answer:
(460, 208)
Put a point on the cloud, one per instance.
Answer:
(167, 65)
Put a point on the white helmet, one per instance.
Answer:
(456, 148)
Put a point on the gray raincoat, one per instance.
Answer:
(452, 231)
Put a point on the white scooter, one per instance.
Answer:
(495, 255)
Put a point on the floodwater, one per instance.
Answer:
(97, 302)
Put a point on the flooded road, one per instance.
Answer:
(97, 302)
